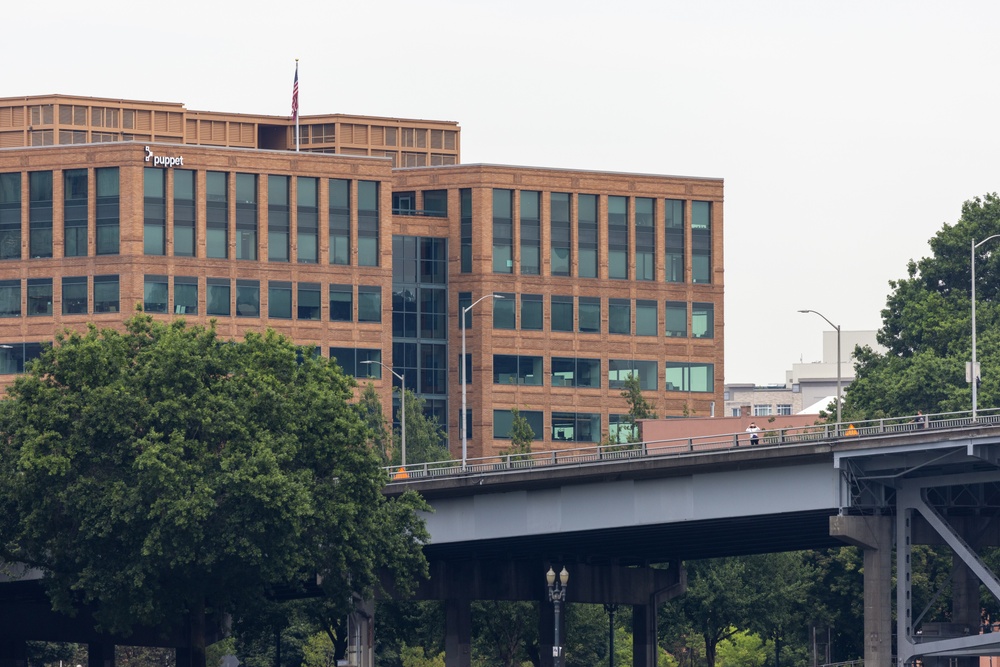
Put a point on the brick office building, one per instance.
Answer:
(109, 203)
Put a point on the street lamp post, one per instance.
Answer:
(557, 595)
(974, 371)
(465, 436)
(402, 408)
(838, 355)
(611, 609)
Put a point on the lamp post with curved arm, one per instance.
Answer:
(557, 595)
(838, 355)
(465, 436)
(402, 409)
(974, 371)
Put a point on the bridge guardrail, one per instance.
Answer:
(692, 445)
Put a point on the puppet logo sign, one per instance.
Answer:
(162, 160)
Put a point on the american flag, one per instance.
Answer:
(295, 93)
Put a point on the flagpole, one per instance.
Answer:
(295, 103)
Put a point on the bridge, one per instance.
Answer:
(607, 513)
(622, 519)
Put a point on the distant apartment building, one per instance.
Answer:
(808, 386)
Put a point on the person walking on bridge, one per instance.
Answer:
(753, 431)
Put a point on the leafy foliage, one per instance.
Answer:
(424, 436)
(161, 471)
(927, 326)
(638, 406)
(521, 435)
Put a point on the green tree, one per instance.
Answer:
(504, 631)
(424, 436)
(160, 473)
(369, 407)
(521, 435)
(638, 406)
(926, 326)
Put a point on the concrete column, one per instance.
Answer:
(101, 654)
(965, 607)
(458, 633)
(644, 647)
(873, 534)
(13, 653)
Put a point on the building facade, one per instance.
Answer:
(595, 276)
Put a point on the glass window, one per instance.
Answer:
(676, 318)
(618, 232)
(433, 313)
(503, 422)
(10, 298)
(156, 294)
(13, 357)
(404, 203)
(576, 426)
(701, 242)
(531, 234)
(185, 295)
(184, 213)
(683, 376)
(619, 316)
(621, 430)
(40, 214)
(246, 223)
(248, 298)
(217, 215)
(571, 372)
(504, 312)
(784, 409)
(279, 299)
(106, 294)
(532, 315)
(562, 313)
(74, 213)
(108, 211)
(433, 260)
(703, 320)
(465, 224)
(74, 295)
(369, 304)
(310, 301)
(503, 231)
(674, 237)
(590, 314)
(39, 297)
(307, 220)
(278, 222)
(10, 216)
(436, 203)
(587, 236)
(645, 318)
(154, 211)
(404, 312)
(352, 360)
(341, 303)
(368, 223)
(514, 369)
(645, 238)
(559, 224)
(340, 221)
(218, 296)
(619, 370)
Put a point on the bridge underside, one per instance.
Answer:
(645, 544)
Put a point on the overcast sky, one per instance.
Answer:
(847, 132)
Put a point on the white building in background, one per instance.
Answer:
(809, 387)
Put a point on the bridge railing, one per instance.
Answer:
(698, 444)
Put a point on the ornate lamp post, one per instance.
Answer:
(402, 408)
(557, 595)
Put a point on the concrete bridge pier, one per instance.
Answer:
(873, 534)
(458, 632)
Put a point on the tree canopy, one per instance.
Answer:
(927, 326)
(161, 471)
